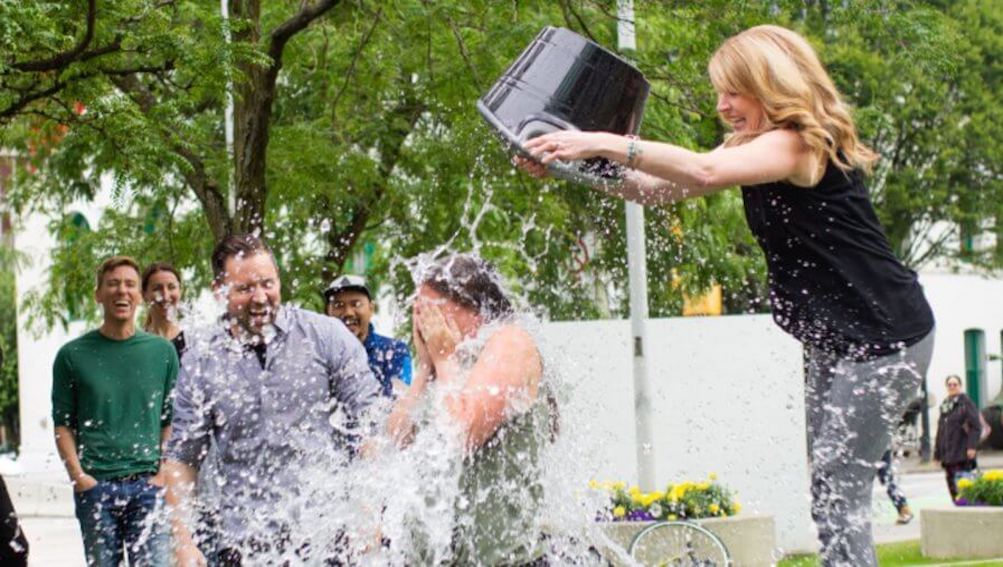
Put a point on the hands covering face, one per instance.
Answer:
(435, 335)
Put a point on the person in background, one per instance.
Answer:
(958, 429)
(13, 543)
(162, 293)
(886, 476)
(111, 408)
(348, 298)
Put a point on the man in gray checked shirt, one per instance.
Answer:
(284, 394)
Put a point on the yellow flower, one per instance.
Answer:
(713, 509)
(712, 476)
(634, 489)
(594, 484)
(993, 475)
(619, 485)
(736, 508)
(619, 512)
(673, 517)
(964, 483)
(703, 486)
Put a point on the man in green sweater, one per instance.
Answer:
(111, 406)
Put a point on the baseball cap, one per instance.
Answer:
(347, 282)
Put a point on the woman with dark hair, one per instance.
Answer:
(483, 370)
(958, 430)
(161, 287)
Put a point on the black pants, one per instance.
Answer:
(951, 470)
(13, 544)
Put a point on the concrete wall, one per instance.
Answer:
(726, 396)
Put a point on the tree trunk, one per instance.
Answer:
(253, 102)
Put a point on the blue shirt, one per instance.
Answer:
(388, 359)
(274, 423)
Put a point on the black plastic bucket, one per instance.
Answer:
(564, 81)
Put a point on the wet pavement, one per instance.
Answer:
(56, 540)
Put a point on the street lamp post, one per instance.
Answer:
(637, 271)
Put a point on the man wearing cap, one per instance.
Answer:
(348, 298)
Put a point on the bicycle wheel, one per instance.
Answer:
(678, 544)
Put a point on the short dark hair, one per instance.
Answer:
(236, 245)
(471, 281)
(157, 267)
(115, 262)
(955, 377)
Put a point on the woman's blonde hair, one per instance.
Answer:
(781, 70)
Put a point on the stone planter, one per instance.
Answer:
(750, 539)
(971, 532)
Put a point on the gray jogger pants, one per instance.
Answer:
(852, 410)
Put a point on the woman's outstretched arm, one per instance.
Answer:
(666, 173)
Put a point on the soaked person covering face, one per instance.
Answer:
(284, 394)
(348, 298)
(111, 407)
(835, 283)
(481, 370)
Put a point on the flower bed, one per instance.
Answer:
(750, 539)
(985, 489)
(680, 501)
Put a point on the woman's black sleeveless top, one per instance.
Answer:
(834, 281)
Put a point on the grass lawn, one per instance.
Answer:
(894, 554)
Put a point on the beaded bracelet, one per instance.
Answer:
(633, 150)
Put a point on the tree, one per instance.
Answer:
(356, 130)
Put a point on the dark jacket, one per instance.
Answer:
(957, 431)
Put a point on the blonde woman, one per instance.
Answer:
(835, 283)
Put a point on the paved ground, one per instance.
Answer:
(55, 541)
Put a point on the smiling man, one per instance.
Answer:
(111, 406)
(348, 298)
(284, 395)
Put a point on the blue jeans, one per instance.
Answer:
(127, 512)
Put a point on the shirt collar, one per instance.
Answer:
(370, 337)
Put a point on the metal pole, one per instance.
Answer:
(231, 201)
(637, 271)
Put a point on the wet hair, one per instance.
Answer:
(953, 377)
(470, 281)
(113, 263)
(781, 70)
(236, 245)
(158, 267)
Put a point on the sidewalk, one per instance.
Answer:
(45, 504)
(988, 459)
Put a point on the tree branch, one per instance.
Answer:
(355, 58)
(567, 8)
(287, 29)
(464, 53)
(62, 59)
(197, 177)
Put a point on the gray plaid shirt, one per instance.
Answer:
(273, 427)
